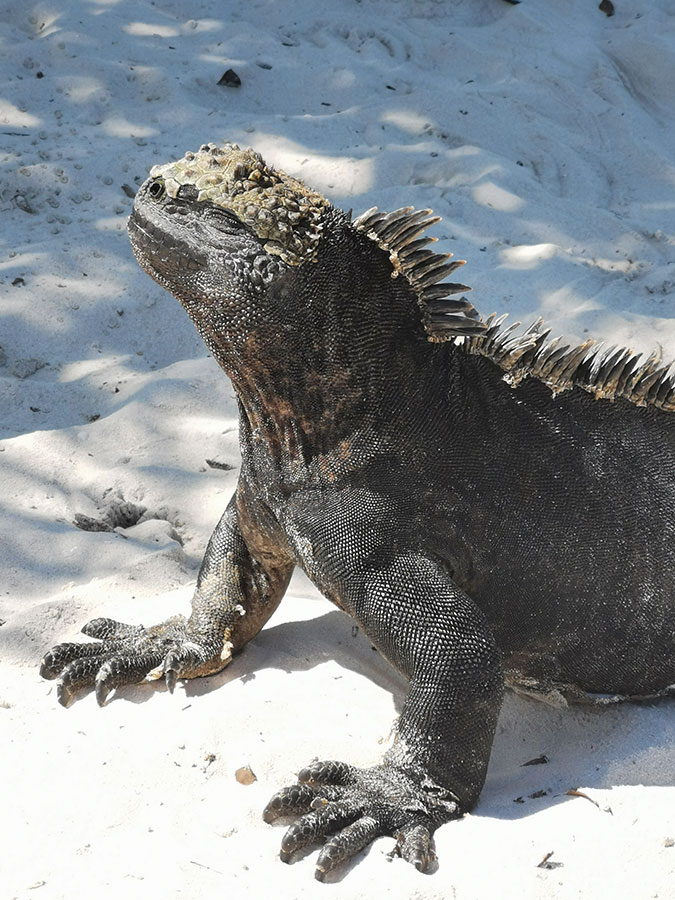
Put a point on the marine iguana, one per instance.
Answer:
(489, 506)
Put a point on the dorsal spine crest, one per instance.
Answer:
(398, 233)
(605, 372)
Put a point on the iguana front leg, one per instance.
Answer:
(432, 632)
(235, 595)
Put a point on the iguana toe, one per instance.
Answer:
(290, 801)
(414, 843)
(347, 843)
(316, 826)
(110, 629)
(78, 673)
(56, 660)
(327, 771)
(121, 670)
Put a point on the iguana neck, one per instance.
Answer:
(333, 356)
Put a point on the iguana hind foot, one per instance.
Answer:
(348, 807)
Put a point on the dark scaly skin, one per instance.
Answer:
(472, 530)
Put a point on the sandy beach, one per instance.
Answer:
(543, 134)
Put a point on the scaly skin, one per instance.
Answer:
(473, 530)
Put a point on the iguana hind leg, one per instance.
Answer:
(234, 597)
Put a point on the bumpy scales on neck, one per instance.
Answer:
(289, 294)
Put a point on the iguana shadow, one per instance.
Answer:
(539, 753)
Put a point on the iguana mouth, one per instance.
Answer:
(162, 247)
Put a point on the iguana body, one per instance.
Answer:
(479, 506)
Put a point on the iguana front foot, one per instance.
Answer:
(349, 807)
(129, 654)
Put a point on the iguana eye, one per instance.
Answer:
(157, 189)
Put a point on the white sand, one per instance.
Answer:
(544, 134)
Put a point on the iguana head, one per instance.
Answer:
(218, 225)
(280, 210)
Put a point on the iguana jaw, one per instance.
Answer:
(162, 254)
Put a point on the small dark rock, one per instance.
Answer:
(230, 78)
(120, 513)
(24, 204)
(537, 761)
(18, 282)
(219, 464)
(607, 7)
(86, 523)
(39, 74)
